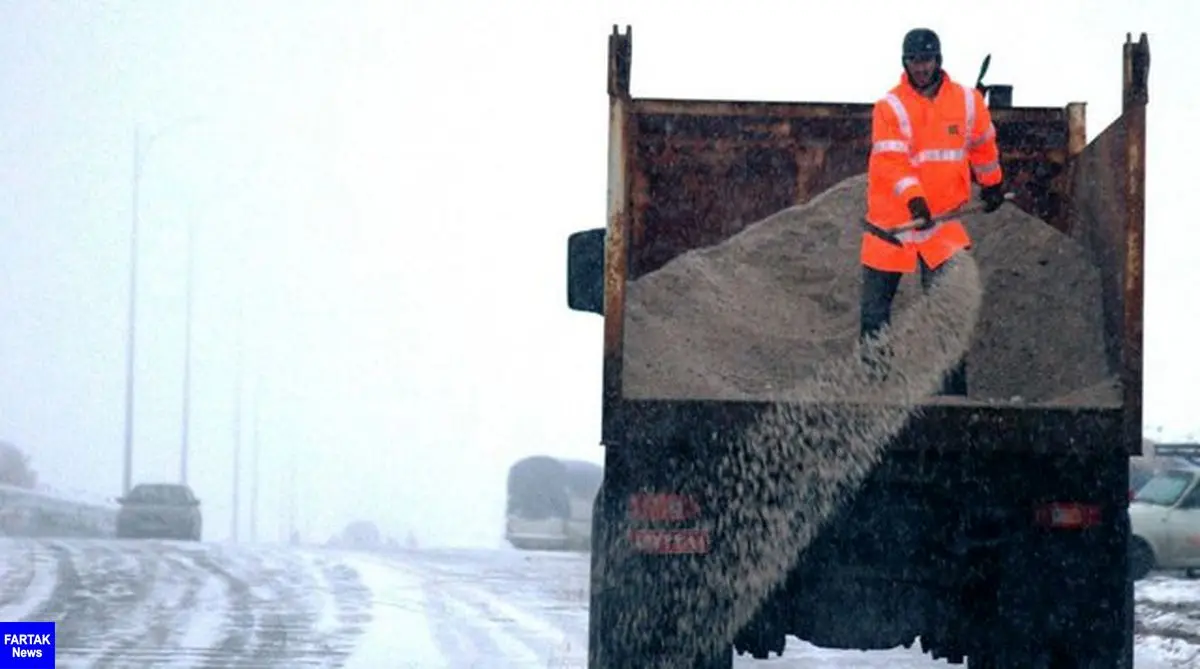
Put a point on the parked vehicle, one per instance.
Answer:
(550, 503)
(1164, 515)
(160, 511)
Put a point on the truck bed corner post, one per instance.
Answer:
(620, 52)
(1135, 97)
(617, 238)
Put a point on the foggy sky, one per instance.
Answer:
(389, 187)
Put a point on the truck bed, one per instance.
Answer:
(688, 174)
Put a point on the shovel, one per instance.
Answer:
(889, 234)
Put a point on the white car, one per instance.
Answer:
(1165, 520)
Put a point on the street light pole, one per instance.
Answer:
(131, 333)
(187, 358)
(235, 520)
(254, 461)
(139, 150)
(293, 512)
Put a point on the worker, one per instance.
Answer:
(929, 137)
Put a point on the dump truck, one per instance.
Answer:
(992, 535)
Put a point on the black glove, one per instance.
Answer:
(993, 197)
(919, 209)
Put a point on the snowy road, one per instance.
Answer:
(169, 604)
(542, 599)
(146, 604)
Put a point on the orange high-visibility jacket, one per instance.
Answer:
(923, 147)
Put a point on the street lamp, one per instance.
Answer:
(139, 151)
(254, 443)
(187, 358)
(235, 520)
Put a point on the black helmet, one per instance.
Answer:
(922, 42)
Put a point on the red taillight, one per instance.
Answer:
(1067, 515)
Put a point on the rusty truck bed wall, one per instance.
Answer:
(685, 174)
(702, 170)
(1106, 213)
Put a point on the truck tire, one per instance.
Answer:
(1141, 559)
(760, 644)
(762, 636)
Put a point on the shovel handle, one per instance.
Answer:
(971, 208)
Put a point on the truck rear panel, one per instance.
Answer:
(686, 174)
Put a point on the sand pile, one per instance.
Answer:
(750, 318)
(780, 480)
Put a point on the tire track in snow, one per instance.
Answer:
(552, 643)
(286, 615)
(33, 576)
(344, 605)
(402, 631)
(460, 638)
(268, 612)
(275, 604)
(542, 602)
(199, 644)
(103, 579)
(180, 604)
(236, 625)
(18, 566)
(1167, 616)
(163, 597)
(128, 603)
(473, 628)
(164, 615)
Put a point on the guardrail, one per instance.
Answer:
(48, 513)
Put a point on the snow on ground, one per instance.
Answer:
(542, 598)
(399, 627)
(204, 630)
(178, 604)
(543, 591)
(477, 616)
(1165, 589)
(28, 576)
(1168, 621)
(1165, 653)
(210, 606)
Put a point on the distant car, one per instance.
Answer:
(159, 511)
(360, 534)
